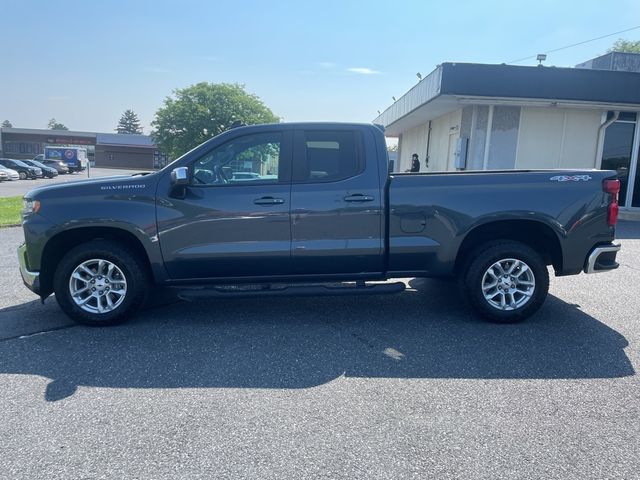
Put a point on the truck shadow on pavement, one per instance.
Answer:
(291, 343)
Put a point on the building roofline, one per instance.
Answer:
(517, 82)
(115, 139)
(43, 131)
(131, 145)
(125, 140)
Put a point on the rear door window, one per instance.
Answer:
(327, 156)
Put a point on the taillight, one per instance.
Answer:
(612, 187)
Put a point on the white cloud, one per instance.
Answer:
(363, 71)
(326, 65)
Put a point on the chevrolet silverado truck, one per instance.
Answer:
(320, 214)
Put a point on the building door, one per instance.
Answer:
(451, 153)
(620, 153)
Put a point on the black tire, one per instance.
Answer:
(473, 279)
(130, 265)
(22, 175)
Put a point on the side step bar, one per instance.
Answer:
(234, 291)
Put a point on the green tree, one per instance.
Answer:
(7, 124)
(54, 125)
(129, 123)
(198, 112)
(628, 46)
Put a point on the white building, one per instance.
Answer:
(487, 117)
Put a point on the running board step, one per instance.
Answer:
(233, 291)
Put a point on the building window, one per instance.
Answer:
(24, 148)
(479, 122)
(617, 155)
(12, 147)
(623, 116)
(504, 138)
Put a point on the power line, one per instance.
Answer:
(576, 44)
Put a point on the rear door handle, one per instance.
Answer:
(268, 201)
(358, 197)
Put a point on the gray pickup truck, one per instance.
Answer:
(312, 209)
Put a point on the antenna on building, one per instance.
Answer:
(394, 98)
(541, 57)
(419, 76)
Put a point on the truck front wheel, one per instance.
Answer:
(100, 283)
(506, 281)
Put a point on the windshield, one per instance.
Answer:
(36, 163)
(19, 163)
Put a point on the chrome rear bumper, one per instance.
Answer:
(602, 259)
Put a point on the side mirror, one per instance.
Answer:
(179, 176)
(179, 182)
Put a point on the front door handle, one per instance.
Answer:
(358, 197)
(268, 201)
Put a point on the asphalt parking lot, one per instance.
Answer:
(20, 187)
(404, 386)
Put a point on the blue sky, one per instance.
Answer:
(85, 62)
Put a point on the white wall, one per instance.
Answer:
(444, 131)
(557, 138)
(413, 141)
(546, 138)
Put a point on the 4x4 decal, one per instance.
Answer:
(571, 178)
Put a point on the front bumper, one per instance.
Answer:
(602, 259)
(30, 279)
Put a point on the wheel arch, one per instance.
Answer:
(58, 245)
(537, 235)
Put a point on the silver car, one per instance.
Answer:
(11, 174)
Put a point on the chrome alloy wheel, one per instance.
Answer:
(508, 284)
(97, 286)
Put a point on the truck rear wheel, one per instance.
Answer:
(506, 281)
(100, 283)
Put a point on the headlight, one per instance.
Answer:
(30, 205)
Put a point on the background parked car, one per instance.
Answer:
(25, 171)
(59, 165)
(3, 175)
(13, 175)
(48, 172)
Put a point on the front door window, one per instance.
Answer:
(250, 159)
